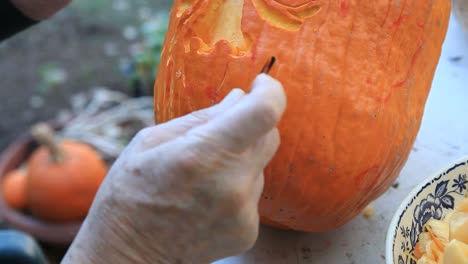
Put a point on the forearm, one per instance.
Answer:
(39, 9)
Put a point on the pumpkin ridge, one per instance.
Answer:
(338, 118)
(389, 6)
(300, 132)
(365, 149)
(280, 191)
(342, 83)
(395, 31)
(380, 172)
(310, 180)
(314, 86)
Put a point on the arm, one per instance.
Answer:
(187, 191)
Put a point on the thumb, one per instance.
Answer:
(247, 121)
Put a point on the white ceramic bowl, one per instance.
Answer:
(433, 198)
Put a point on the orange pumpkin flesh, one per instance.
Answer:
(64, 190)
(14, 189)
(356, 73)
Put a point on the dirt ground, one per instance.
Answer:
(77, 50)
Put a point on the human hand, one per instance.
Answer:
(187, 191)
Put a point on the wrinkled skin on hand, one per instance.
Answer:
(187, 191)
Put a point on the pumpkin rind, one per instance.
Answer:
(356, 73)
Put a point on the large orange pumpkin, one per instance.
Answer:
(357, 75)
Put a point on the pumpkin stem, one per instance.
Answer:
(43, 134)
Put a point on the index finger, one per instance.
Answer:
(246, 122)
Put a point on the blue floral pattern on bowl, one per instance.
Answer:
(434, 198)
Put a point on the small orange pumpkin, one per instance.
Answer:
(63, 178)
(356, 73)
(14, 189)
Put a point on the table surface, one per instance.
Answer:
(443, 138)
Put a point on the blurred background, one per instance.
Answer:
(90, 69)
(111, 44)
